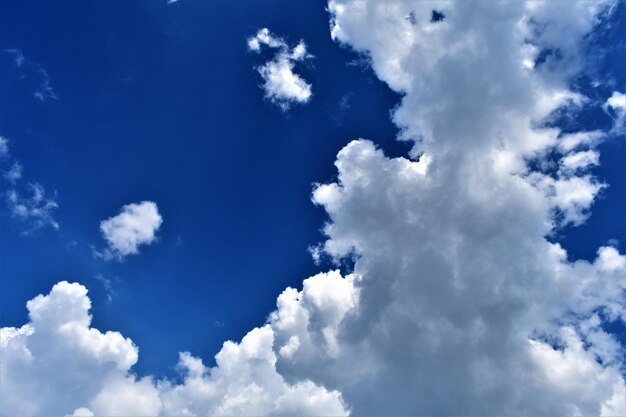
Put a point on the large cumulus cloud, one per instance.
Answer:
(458, 303)
(58, 365)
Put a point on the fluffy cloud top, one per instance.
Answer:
(58, 365)
(458, 304)
(135, 225)
(56, 354)
(282, 85)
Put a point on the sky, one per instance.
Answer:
(270, 208)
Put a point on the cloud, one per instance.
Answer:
(457, 298)
(617, 104)
(134, 226)
(14, 173)
(282, 85)
(18, 56)
(82, 412)
(45, 91)
(464, 306)
(29, 205)
(4, 147)
(580, 160)
(58, 365)
(33, 75)
(33, 208)
(108, 286)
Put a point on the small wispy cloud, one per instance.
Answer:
(33, 208)
(343, 107)
(17, 55)
(4, 147)
(615, 106)
(14, 173)
(28, 204)
(282, 85)
(108, 286)
(34, 74)
(46, 91)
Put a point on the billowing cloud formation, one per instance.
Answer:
(58, 365)
(458, 304)
(135, 225)
(282, 85)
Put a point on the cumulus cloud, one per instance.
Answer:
(470, 300)
(457, 304)
(58, 364)
(282, 85)
(134, 226)
(460, 291)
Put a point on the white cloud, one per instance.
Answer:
(456, 274)
(449, 295)
(58, 365)
(34, 209)
(282, 85)
(135, 225)
(617, 103)
(246, 382)
(82, 412)
(580, 160)
(571, 141)
(264, 37)
(29, 205)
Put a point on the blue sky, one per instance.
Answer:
(161, 103)
(114, 103)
